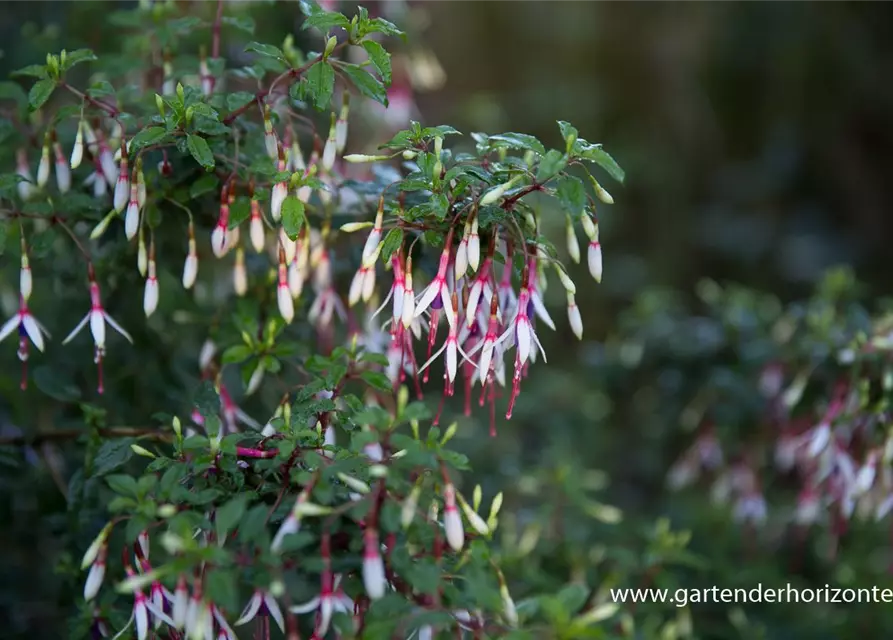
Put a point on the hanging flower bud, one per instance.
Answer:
(373, 566)
(150, 298)
(77, 152)
(408, 310)
(190, 267)
(103, 224)
(25, 188)
(341, 125)
(240, 277)
(122, 186)
(374, 238)
(573, 247)
(142, 256)
(573, 316)
(132, 217)
(25, 280)
(328, 154)
(96, 574)
(270, 141)
(257, 377)
(360, 158)
(410, 505)
(461, 259)
(474, 244)
(497, 192)
(256, 227)
(283, 295)
(206, 354)
(219, 244)
(600, 192)
(43, 169)
(595, 250)
(278, 194)
(452, 521)
(63, 171)
(140, 184)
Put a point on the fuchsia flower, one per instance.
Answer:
(373, 566)
(264, 604)
(438, 288)
(97, 317)
(28, 326)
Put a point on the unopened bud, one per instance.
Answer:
(600, 192)
(356, 158)
(357, 485)
(350, 227)
(497, 192)
(141, 451)
(102, 225)
(408, 509)
(330, 46)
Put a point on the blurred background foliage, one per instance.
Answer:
(757, 143)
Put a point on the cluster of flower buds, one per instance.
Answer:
(841, 474)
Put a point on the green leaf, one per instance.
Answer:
(571, 193)
(321, 19)
(594, 153)
(267, 50)
(40, 93)
(227, 516)
(123, 484)
(391, 243)
(573, 597)
(205, 184)
(366, 83)
(32, 70)
(147, 137)
(52, 381)
(112, 455)
(239, 211)
(552, 163)
(380, 25)
(568, 131)
(101, 88)
(200, 150)
(319, 84)
(243, 23)
(517, 141)
(377, 380)
(380, 59)
(8, 181)
(236, 353)
(78, 56)
(292, 216)
(220, 586)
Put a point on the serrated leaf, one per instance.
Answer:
(571, 193)
(123, 484)
(316, 16)
(292, 216)
(377, 380)
(266, 50)
(78, 56)
(380, 59)
(520, 141)
(32, 70)
(236, 353)
(367, 84)
(147, 137)
(380, 25)
(200, 150)
(112, 455)
(553, 162)
(228, 516)
(40, 93)
(595, 153)
(319, 84)
(391, 243)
